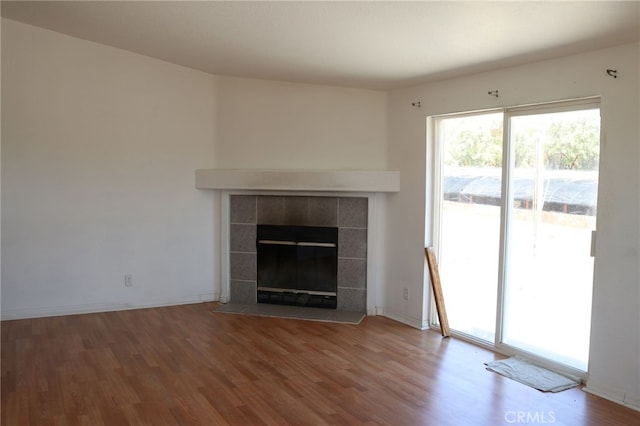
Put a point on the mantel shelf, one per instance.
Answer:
(300, 180)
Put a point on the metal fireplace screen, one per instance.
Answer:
(297, 265)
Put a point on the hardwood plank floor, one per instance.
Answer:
(186, 365)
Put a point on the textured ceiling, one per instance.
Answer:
(375, 45)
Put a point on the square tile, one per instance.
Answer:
(270, 210)
(243, 266)
(352, 273)
(353, 212)
(242, 208)
(295, 210)
(242, 238)
(245, 292)
(352, 300)
(352, 243)
(323, 211)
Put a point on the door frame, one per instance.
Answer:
(434, 197)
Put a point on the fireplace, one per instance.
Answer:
(348, 216)
(352, 200)
(297, 265)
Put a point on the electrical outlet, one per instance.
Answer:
(128, 280)
(405, 293)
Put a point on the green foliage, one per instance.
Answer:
(572, 143)
(474, 141)
(477, 150)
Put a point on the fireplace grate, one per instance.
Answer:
(297, 265)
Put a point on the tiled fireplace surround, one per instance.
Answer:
(349, 214)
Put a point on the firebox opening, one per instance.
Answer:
(297, 265)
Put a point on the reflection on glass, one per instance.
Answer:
(470, 221)
(554, 185)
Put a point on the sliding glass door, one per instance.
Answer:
(516, 206)
(548, 263)
(471, 158)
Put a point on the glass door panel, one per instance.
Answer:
(470, 198)
(552, 201)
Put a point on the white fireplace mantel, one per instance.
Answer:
(369, 184)
(299, 180)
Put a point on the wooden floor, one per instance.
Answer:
(189, 365)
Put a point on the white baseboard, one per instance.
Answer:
(412, 322)
(54, 311)
(617, 396)
(377, 310)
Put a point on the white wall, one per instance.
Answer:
(100, 149)
(290, 126)
(98, 157)
(277, 125)
(615, 342)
